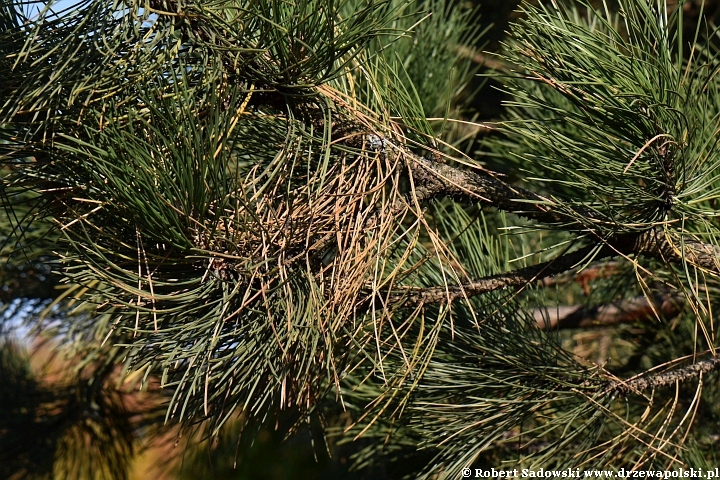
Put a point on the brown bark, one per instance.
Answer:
(624, 311)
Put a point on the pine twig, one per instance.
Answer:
(439, 179)
(434, 179)
(515, 278)
(664, 379)
(651, 243)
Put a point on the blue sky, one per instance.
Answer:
(64, 4)
(33, 7)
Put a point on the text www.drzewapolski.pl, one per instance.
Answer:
(577, 473)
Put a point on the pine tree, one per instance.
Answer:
(274, 213)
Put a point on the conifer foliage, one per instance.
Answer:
(268, 213)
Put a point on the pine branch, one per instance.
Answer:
(515, 278)
(434, 179)
(438, 179)
(651, 243)
(665, 379)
